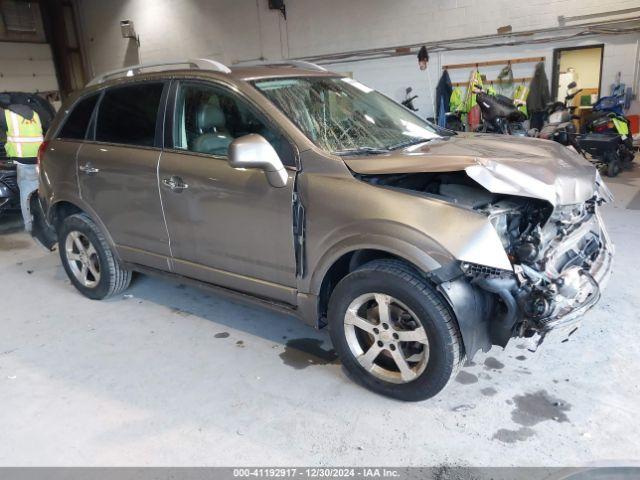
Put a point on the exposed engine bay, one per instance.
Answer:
(560, 256)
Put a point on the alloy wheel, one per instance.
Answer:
(386, 338)
(83, 259)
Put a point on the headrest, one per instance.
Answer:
(210, 115)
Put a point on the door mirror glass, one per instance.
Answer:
(572, 85)
(253, 151)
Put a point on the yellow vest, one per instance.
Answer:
(23, 136)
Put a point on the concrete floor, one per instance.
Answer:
(169, 375)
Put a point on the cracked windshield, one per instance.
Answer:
(344, 117)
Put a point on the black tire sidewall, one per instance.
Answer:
(77, 223)
(442, 361)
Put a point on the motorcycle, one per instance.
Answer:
(453, 119)
(499, 114)
(408, 100)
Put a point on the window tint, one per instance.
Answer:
(76, 125)
(128, 114)
(207, 119)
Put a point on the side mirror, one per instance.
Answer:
(408, 90)
(572, 85)
(253, 151)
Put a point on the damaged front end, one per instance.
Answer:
(561, 259)
(561, 263)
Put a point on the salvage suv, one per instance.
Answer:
(311, 192)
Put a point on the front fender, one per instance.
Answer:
(417, 249)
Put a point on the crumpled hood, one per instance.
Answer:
(504, 164)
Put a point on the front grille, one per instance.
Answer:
(475, 270)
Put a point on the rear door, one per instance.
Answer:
(117, 171)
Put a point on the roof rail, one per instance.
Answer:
(199, 63)
(294, 63)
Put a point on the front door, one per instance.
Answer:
(227, 226)
(117, 172)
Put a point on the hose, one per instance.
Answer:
(501, 287)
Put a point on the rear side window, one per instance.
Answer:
(128, 114)
(76, 125)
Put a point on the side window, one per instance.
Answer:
(207, 119)
(128, 114)
(75, 127)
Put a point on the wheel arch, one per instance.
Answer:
(346, 257)
(62, 208)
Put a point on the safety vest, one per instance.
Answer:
(520, 98)
(23, 136)
(455, 102)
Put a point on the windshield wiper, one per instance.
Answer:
(361, 151)
(409, 143)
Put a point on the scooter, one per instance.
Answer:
(608, 150)
(561, 128)
(499, 114)
(606, 135)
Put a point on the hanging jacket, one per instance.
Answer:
(443, 95)
(520, 98)
(455, 101)
(504, 83)
(469, 97)
(539, 96)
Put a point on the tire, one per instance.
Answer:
(407, 290)
(105, 276)
(613, 167)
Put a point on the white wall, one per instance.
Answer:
(232, 30)
(620, 53)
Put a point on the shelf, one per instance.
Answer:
(489, 82)
(494, 62)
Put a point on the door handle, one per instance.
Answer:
(88, 169)
(175, 183)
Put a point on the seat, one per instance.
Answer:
(213, 137)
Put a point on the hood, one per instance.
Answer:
(527, 167)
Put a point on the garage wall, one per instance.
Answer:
(233, 30)
(27, 67)
(620, 55)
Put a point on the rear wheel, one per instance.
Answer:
(394, 333)
(613, 166)
(88, 260)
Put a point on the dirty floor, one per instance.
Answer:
(170, 375)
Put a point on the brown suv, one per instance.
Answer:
(314, 193)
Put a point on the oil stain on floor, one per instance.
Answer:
(493, 364)
(300, 353)
(531, 409)
(513, 436)
(466, 378)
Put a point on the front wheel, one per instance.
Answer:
(88, 260)
(394, 333)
